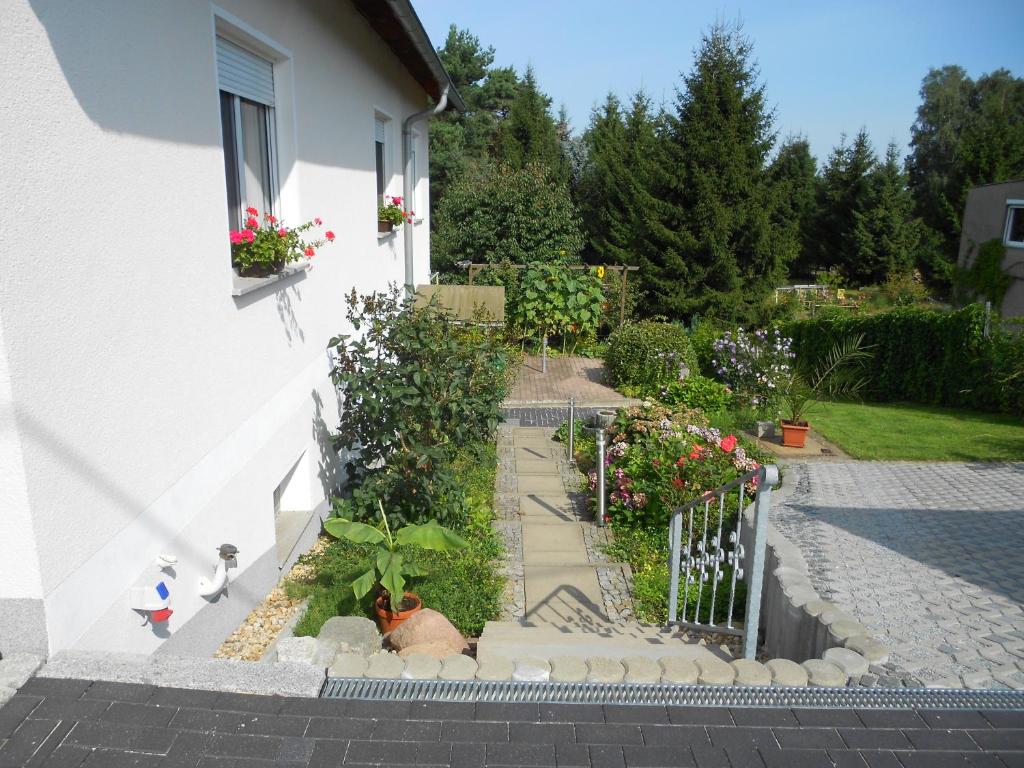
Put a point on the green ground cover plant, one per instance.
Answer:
(904, 431)
(465, 585)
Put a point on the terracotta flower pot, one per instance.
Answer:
(384, 226)
(794, 434)
(389, 620)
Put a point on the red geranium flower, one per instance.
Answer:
(728, 443)
(329, 235)
(252, 223)
(677, 482)
(236, 237)
(271, 219)
(252, 211)
(282, 232)
(310, 252)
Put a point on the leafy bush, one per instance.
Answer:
(696, 391)
(702, 338)
(498, 213)
(985, 279)
(417, 386)
(465, 585)
(925, 356)
(649, 355)
(556, 301)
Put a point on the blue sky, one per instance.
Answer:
(829, 67)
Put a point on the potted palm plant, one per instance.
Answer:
(837, 375)
(390, 570)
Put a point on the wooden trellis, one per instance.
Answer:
(476, 269)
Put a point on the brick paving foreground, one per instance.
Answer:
(71, 723)
(928, 556)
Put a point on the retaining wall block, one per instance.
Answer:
(348, 665)
(385, 665)
(568, 669)
(532, 669)
(750, 672)
(495, 669)
(674, 670)
(824, 674)
(786, 673)
(420, 666)
(604, 670)
(713, 671)
(873, 650)
(457, 667)
(640, 669)
(851, 662)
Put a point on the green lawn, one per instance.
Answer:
(919, 432)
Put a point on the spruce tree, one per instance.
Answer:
(714, 246)
(794, 179)
(528, 136)
(846, 196)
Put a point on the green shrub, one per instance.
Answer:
(499, 213)
(417, 387)
(925, 356)
(985, 279)
(702, 339)
(696, 391)
(648, 355)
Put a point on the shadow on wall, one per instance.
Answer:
(329, 463)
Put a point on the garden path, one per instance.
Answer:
(580, 377)
(926, 555)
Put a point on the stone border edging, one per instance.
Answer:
(798, 625)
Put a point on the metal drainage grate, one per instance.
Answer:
(666, 694)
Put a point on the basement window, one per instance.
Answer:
(1014, 234)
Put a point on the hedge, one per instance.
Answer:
(927, 356)
(646, 355)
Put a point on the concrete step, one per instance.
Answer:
(542, 467)
(510, 640)
(547, 508)
(543, 485)
(533, 454)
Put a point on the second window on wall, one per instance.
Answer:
(246, 83)
(380, 149)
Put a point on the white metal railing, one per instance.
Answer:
(708, 558)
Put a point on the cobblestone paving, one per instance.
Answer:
(928, 556)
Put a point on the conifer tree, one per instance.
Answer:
(794, 180)
(528, 136)
(713, 244)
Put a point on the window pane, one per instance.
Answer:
(256, 156)
(379, 156)
(1016, 228)
(227, 129)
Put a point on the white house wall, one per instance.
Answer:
(154, 411)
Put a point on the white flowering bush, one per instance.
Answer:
(755, 366)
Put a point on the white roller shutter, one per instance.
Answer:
(244, 74)
(378, 130)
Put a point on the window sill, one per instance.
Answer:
(1012, 244)
(381, 236)
(242, 286)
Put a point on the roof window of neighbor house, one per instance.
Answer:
(246, 83)
(1014, 234)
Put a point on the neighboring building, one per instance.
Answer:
(151, 401)
(996, 211)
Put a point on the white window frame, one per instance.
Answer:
(1012, 206)
(383, 117)
(275, 187)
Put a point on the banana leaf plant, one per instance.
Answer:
(390, 569)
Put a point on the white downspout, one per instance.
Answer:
(407, 175)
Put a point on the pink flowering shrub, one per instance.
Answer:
(264, 245)
(657, 461)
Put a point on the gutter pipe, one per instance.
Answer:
(407, 191)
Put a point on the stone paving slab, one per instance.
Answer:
(927, 556)
(563, 596)
(579, 377)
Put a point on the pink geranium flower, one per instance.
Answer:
(282, 232)
(329, 235)
(252, 223)
(252, 211)
(310, 252)
(236, 237)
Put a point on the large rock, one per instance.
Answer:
(428, 627)
(351, 634)
(439, 650)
